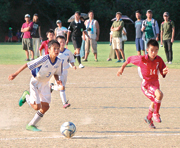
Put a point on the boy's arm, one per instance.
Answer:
(59, 82)
(120, 71)
(73, 66)
(12, 76)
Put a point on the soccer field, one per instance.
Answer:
(108, 111)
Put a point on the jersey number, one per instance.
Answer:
(48, 74)
(152, 72)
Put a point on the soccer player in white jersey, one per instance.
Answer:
(68, 59)
(42, 69)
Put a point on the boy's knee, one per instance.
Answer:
(36, 106)
(159, 94)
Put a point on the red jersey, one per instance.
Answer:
(27, 34)
(149, 69)
(44, 46)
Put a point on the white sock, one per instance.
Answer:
(28, 100)
(63, 96)
(36, 118)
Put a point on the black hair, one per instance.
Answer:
(52, 42)
(152, 42)
(78, 12)
(50, 31)
(61, 37)
(138, 11)
(91, 11)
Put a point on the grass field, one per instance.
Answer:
(12, 53)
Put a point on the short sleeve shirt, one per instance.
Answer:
(35, 29)
(117, 24)
(77, 28)
(27, 34)
(60, 31)
(149, 30)
(138, 25)
(44, 46)
(166, 27)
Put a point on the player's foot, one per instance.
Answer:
(84, 60)
(31, 59)
(52, 84)
(123, 61)
(170, 62)
(96, 60)
(66, 105)
(118, 61)
(27, 60)
(150, 122)
(22, 100)
(157, 118)
(32, 128)
(81, 66)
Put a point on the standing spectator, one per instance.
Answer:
(10, 34)
(36, 34)
(138, 40)
(77, 27)
(82, 50)
(150, 29)
(92, 27)
(27, 38)
(167, 36)
(117, 28)
(124, 32)
(18, 34)
(60, 30)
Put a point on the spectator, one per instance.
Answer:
(92, 26)
(36, 34)
(18, 34)
(167, 36)
(27, 38)
(150, 29)
(138, 40)
(10, 34)
(117, 28)
(60, 30)
(82, 51)
(124, 32)
(77, 28)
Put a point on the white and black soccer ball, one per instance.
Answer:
(68, 129)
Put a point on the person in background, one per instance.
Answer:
(138, 40)
(92, 27)
(10, 34)
(18, 34)
(82, 51)
(167, 36)
(60, 30)
(150, 29)
(27, 38)
(36, 34)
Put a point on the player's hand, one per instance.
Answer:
(74, 67)
(161, 42)
(119, 72)
(165, 70)
(172, 40)
(11, 77)
(157, 39)
(97, 38)
(59, 82)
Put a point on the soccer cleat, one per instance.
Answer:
(22, 100)
(109, 59)
(150, 122)
(170, 62)
(96, 60)
(52, 84)
(32, 128)
(157, 117)
(81, 66)
(66, 105)
(84, 60)
(27, 60)
(118, 61)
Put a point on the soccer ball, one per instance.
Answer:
(68, 129)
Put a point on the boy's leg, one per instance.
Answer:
(151, 110)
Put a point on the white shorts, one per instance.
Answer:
(117, 43)
(39, 92)
(63, 77)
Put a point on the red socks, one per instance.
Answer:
(151, 110)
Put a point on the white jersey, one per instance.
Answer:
(61, 31)
(42, 69)
(66, 57)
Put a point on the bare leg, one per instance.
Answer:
(27, 54)
(117, 54)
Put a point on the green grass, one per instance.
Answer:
(12, 54)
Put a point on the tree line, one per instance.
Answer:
(13, 11)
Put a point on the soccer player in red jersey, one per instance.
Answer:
(150, 65)
(44, 45)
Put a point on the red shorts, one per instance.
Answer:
(149, 88)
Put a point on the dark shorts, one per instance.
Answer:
(27, 44)
(76, 42)
(139, 44)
